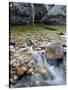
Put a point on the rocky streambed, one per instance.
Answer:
(24, 71)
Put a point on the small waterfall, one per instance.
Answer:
(56, 72)
(36, 56)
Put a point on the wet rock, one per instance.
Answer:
(20, 58)
(21, 65)
(15, 77)
(42, 71)
(12, 49)
(12, 41)
(17, 48)
(12, 61)
(64, 45)
(32, 62)
(38, 82)
(63, 36)
(61, 33)
(29, 42)
(11, 53)
(21, 70)
(16, 63)
(65, 50)
(17, 54)
(55, 51)
(29, 65)
(42, 46)
(26, 61)
(12, 81)
(30, 71)
(28, 54)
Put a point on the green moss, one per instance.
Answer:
(38, 31)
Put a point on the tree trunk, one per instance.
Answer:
(32, 13)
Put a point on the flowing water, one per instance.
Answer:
(38, 34)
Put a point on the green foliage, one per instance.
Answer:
(56, 16)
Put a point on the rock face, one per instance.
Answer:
(57, 20)
(40, 11)
(21, 13)
(56, 9)
(56, 14)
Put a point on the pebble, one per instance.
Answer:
(15, 77)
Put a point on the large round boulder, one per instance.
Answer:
(55, 51)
